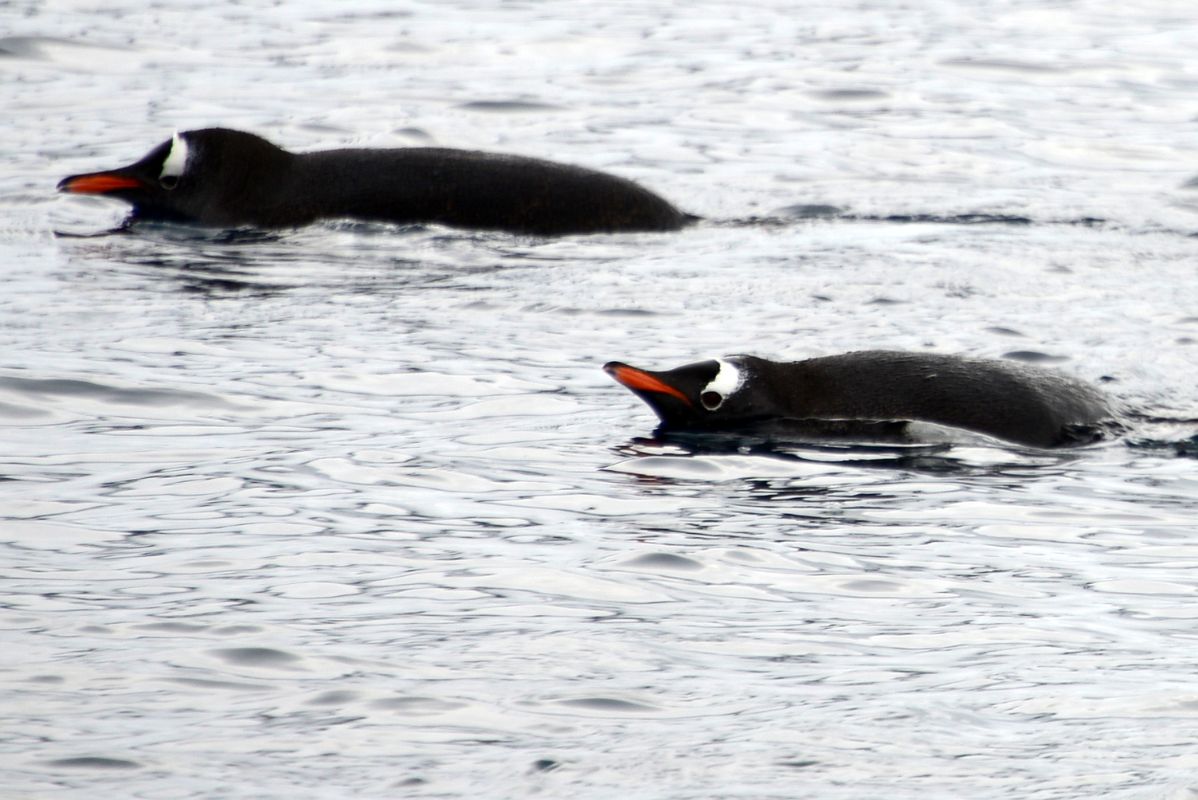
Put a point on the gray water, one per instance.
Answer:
(351, 511)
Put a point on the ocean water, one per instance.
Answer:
(352, 510)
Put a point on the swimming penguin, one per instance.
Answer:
(880, 389)
(227, 178)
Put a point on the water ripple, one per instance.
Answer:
(352, 505)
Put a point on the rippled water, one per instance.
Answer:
(352, 511)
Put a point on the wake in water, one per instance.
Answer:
(1159, 434)
(806, 212)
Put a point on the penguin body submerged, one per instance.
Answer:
(226, 178)
(1018, 403)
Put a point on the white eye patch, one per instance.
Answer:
(176, 160)
(722, 386)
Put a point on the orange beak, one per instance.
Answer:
(635, 378)
(98, 183)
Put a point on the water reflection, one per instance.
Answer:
(703, 456)
(264, 263)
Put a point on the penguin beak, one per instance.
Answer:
(638, 380)
(99, 183)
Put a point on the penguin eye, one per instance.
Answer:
(711, 400)
(168, 182)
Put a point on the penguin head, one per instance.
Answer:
(707, 395)
(188, 178)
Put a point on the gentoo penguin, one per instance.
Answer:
(227, 178)
(882, 389)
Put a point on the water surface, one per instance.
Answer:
(353, 511)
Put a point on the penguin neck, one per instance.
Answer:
(242, 179)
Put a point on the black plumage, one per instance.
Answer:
(1016, 402)
(227, 178)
